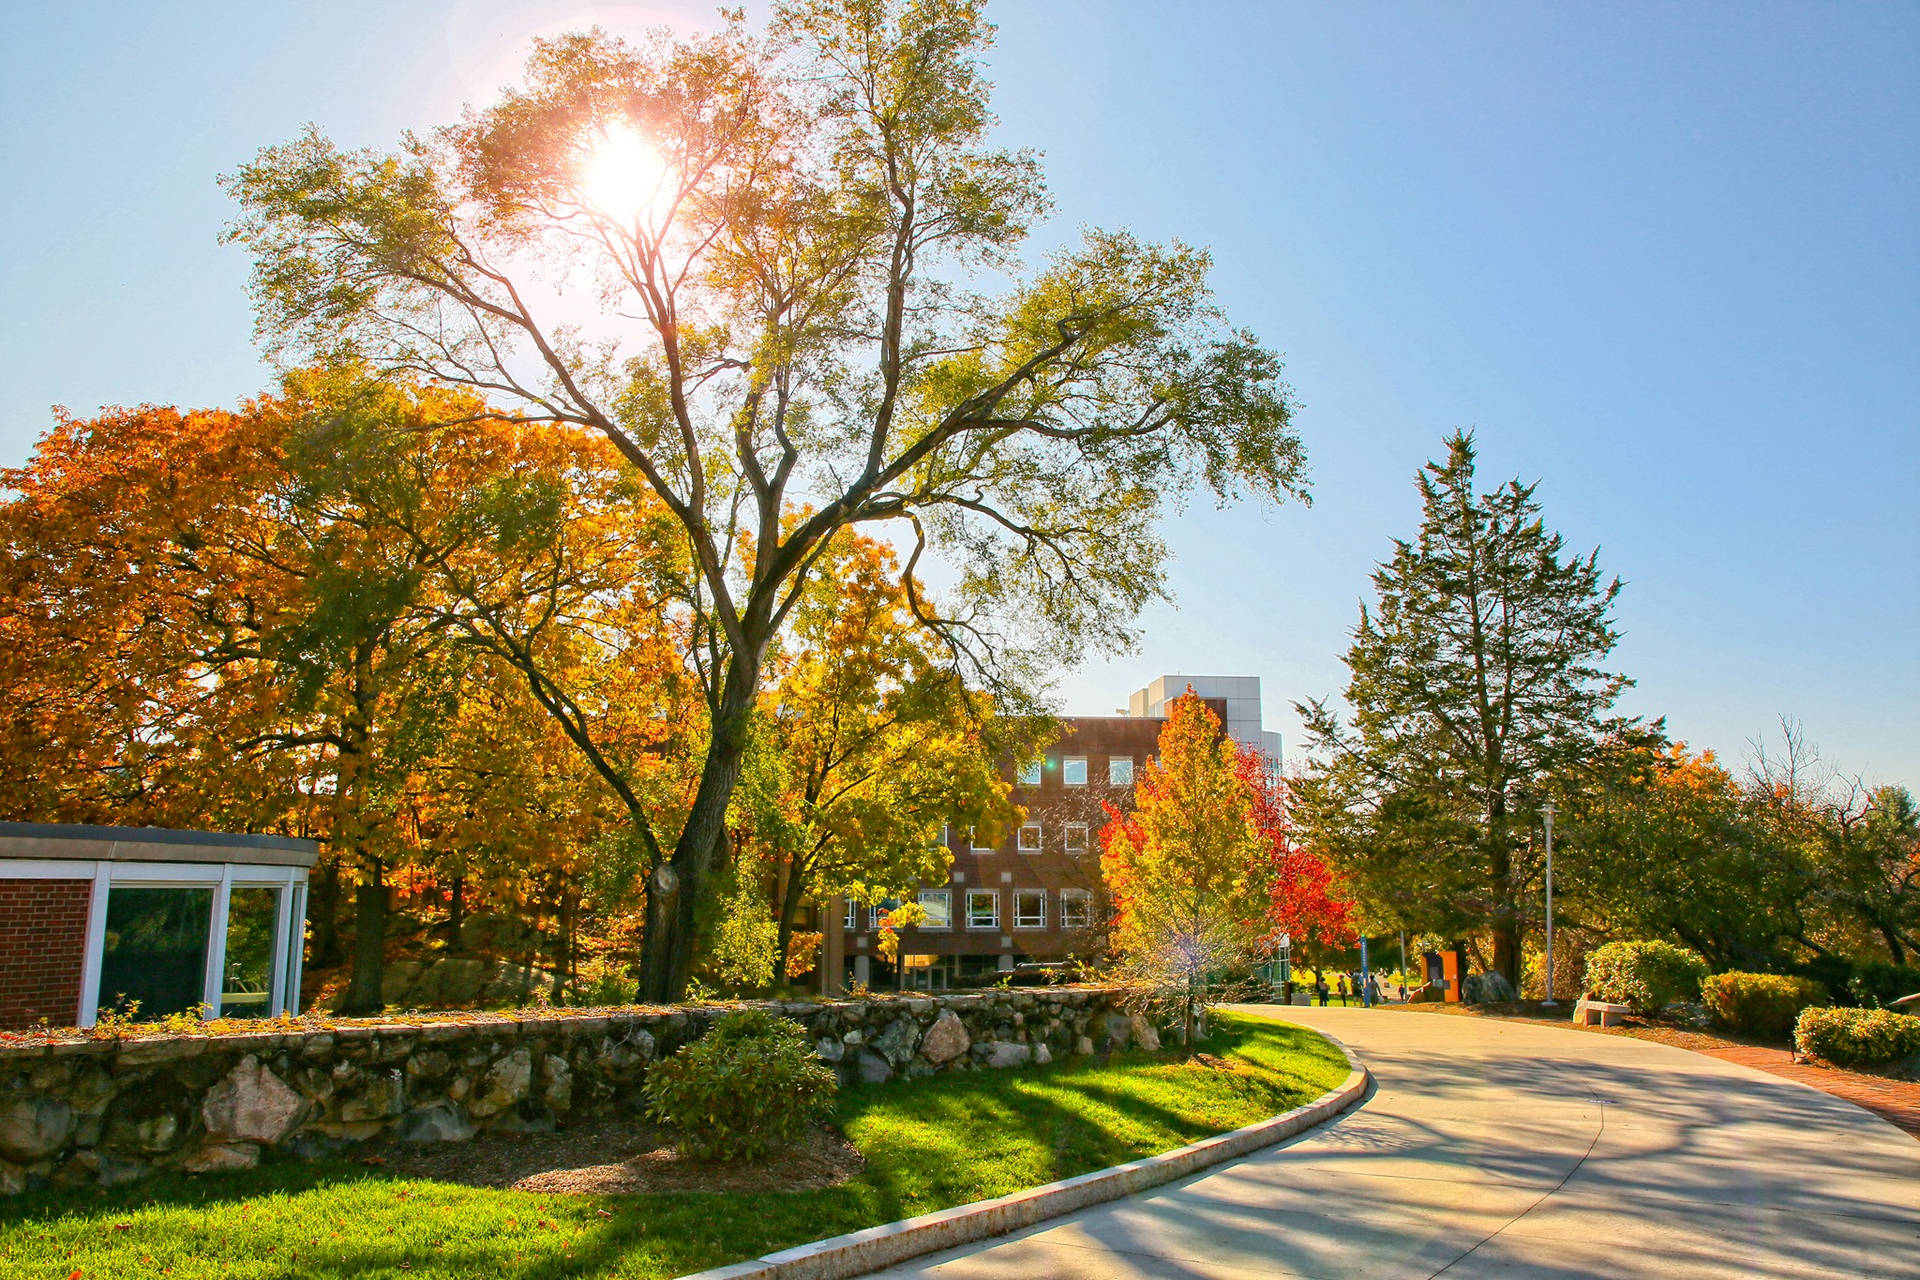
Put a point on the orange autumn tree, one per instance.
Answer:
(1189, 873)
(249, 621)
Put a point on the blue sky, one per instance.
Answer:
(1665, 259)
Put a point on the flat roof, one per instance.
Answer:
(78, 843)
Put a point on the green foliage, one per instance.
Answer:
(1647, 975)
(1663, 842)
(1857, 1037)
(741, 950)
(749, 1087)
(1763, 1004)
(1481, 671)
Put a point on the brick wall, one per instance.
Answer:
(43, 947)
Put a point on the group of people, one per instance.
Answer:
(1349, 987)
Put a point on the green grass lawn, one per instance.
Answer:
(928, 1144)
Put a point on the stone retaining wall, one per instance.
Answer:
(75, 1112)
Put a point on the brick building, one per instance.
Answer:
(90, 916)
(1036, 894)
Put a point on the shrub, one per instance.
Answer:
(750, 1086)
(1763, 1004)
(1857, 1037)
(1646, 975)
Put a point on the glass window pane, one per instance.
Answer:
(156, 949)
(1120, 771)
(1073, 771)
(1030, 774)
(938, 904)
(246, 988)
(1029, 837)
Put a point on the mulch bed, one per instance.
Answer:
(615, 1157)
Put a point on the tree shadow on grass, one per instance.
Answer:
(930, 1144)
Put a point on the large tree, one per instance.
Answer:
(1476, 681)
(775, 251)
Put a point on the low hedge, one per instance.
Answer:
(1762, 1004)
(1646, 975)
(1857, 1037)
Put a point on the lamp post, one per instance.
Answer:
(1547, 811)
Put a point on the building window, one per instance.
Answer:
(983, 909)
(1029, 908)
(1029, 837)
(246, 982)
(1120, 770)
(852, 920)
(156, 949)
(1076, 909)
(881, 910)
(1073, 771)
(1029, 775)
(1076, 838)
(938, 904)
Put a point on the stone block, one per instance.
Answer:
(946, 1039)
(504, 1084)
(1005, 1053)
(218, 1157)
(442, 1121)
(34, 1127)
(251, 1104)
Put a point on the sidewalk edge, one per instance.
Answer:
(859, 1252)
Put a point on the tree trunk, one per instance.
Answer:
(456, 913)
(1506, 950)
(790, 898)
(323, 913)
(369, 943)
(1506, 911)
(563, 950)
(677, 886)
(1893, 944)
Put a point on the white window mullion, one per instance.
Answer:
(217, 942)
(89, 1011)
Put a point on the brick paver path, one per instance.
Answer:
(1896, 1101)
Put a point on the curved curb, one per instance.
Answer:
(859, 1252)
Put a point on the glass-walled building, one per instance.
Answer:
(148, 921)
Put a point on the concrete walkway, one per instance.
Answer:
(1500, 1149)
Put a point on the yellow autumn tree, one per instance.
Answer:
(1187, 870)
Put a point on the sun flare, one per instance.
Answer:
(622, 174)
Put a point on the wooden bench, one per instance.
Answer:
(1587, 1013)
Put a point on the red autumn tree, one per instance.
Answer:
(1304, 900)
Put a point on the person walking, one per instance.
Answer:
(1373, 990)
(1320, 988)
(1343, 990)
